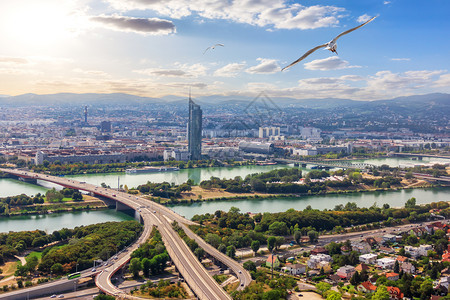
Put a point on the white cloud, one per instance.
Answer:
(271, 13)
(229, 70)
(266, 66)
(13, 60)
(329, 63)
(90, 72)
(181, 70)
(400, 59)
(443, 81)
(386, 2)
(151, 26)
(363, 18)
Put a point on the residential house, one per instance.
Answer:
(418, 231)
(314, 260)
(369, 258)
(296, 269)
(325, 265)
(389, 238)
(444, 281)
(371, 241)
(386, 250)
(319, 250)
(446, 256)
(335, 279)
(362, 247)
(394, 293)
(346, 272)
(361, 267)
(385, 262)
(416, 252)
(272, 260)
(392, 276)
(407, 267)
(366, 287)
(423, 249)
(401, 259)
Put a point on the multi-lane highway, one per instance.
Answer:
(154, 214)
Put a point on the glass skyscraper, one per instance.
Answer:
(194, 131)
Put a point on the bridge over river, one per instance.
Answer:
(151, 214)
(344, 164)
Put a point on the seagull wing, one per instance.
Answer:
(206, 50)
(219, 45)
(304, 56)
(350, 30)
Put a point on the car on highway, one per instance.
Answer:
(154, 211)
(61, 296)
(94, 270)
(53, 296)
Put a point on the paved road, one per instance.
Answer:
(153, 214)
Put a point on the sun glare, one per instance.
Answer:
(39, 23)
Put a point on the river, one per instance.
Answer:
(10, 187)
(56, 221)
(367, 199)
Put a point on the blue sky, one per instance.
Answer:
(156, 48)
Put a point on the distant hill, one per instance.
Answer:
(71, 99)
(409, 103)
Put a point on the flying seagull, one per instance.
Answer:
(213, 47)
(331, 45)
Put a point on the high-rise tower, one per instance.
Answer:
(85, 114)
(194, 131)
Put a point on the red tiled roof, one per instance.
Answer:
(368, 286)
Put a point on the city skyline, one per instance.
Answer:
(158, 49)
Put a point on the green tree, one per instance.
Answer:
(297, 236)
(56, 269)
(250, 266)
(213, 239)
(381, 293)
(333, 295)
(271, 241)
(255, 246)
(323, 287)
(104, 297)
(410, 203)
(272, 295)
(32, 262)
(396, 267)
(313, 236)
(356, 279)
(135, 267)
(278, 228)
(145, 266)
(199, 253)
(231, 251)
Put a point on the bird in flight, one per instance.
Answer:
(213, 47)
(331, 45)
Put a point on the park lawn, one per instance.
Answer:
(214, 193)
(9, 268)
(36, 254)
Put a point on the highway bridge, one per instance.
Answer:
(428, 177)
(151, 214)
(420, 155)
(344, 164)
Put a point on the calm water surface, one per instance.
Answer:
(10, 187)
(393, 198)
(56, 221)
